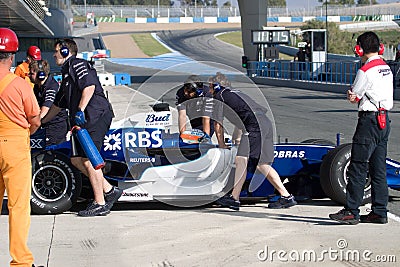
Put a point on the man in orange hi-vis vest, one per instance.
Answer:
(19, 117)
(22, 70)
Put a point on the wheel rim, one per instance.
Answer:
(50, 183)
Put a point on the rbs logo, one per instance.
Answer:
(143, 139)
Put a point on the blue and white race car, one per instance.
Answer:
(151, 163)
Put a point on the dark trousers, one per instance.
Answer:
(368, 157)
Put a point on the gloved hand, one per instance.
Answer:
(80, 118)
(205, 139)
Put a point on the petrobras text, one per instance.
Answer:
(289, 154)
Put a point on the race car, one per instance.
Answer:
(152, 163)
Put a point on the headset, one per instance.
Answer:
(64, 50)
(217, 87)
(41, 74)
(360, 52)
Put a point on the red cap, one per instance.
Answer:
(34, 52)
(8, 41)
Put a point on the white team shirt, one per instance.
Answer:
(374, 79)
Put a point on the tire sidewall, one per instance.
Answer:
(60, 163)
(334, 175)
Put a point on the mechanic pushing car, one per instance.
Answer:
(82, 94)
(256, 143)
(195, 100)
(46, 88)
(372, 91)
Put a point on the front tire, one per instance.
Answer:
(333, 175)
(56, 185)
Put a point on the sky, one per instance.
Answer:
(304, 4)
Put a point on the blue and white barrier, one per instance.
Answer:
(108, 79)
(237, 19)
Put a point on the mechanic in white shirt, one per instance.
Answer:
(373, 92)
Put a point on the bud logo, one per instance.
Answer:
(152, 139)
(158, 119)
(112, 142)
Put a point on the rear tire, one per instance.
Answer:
(333, 175)
(56, 185)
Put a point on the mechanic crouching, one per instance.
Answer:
(372, 91)
(194, 100)
(82, 94)
(256, 143)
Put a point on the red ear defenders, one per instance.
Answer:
(360, 52)
(41, 74)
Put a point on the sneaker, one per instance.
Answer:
(283, 203)
(94, 209)
(344, 217)
(228, 201)
(112, 196)
(373, 218)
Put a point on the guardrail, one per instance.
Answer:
(309, 74)
(320, 72)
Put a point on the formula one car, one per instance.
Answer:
(150, 163)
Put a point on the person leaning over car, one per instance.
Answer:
(19, 117)
(22, 70)
(372, 90)
(256, 143)
(45, 89)
(194, 100)
(82, 94)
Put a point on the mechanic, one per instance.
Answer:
(22, 70)
(256, 143)
(195, 101)
(19, 117)
(45, 89)
(372, 91)
(82, 94)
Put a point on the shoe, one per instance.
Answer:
(112, 196)
(373, 218)
(94, 209)
(228, 201)
(344, 217)
(283, 203)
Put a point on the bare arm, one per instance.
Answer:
(51, 113)
(34, 123)
(43, 111)
(182, 120)
(219, 133)
(206, 125)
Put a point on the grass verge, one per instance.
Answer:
(149, 45)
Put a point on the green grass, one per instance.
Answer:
(149, 45)
(234, 38)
